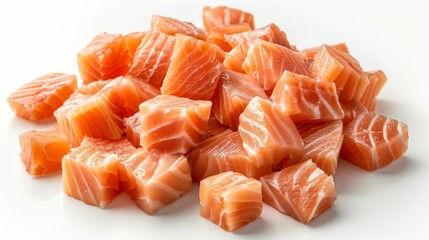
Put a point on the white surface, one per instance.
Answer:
(44, 36)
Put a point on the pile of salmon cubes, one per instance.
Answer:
(236, 109)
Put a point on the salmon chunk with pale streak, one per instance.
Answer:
(234, 92)
(155, 179)
(194, 70)
(174, 26)
(225, 16)
(306, 99)
(221, 153)
(267, 61)
(268, 134)
(302, 191)
(230, 200)
(217, 34)
(377, 79)
(172, 124)
(91, 171)
(373, 141)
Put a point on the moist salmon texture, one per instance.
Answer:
(106, 57)
(39, 98)
(221, 153)
(232, 107)
(306, 99)
(42, 151)
(172, 124)
(194, 69)
(230, 200)
(301, 191)
(100, 114)
(268, 134)
(234, 92)
(155, 179)
(224, 16)
(373, 141)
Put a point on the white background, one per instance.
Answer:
(44, 36)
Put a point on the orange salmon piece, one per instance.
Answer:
(268, 134)
(306, 99)
(230, 200)
(91, 171)
(221, 153)
(377, 79)
(217, 34)
(172, 26)
(42, 151)
(336, 66)
(308, 54)
(267, 61)
(234, 92)
(155, 179)
(106, 57)
(269, 33)
(373, 141)
(194, 70)
(39, 98)
(152, 57)
(322, 144)
(133, 129)
(101, 115)
(224, 16)
(351, 110)
(234, 59)
(133, 40)
(302, 191)
(172, 124)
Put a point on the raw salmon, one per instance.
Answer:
(372, 141)
(221, 153)
(91, 171)
(39, 98)
(268, 134)
(105, 57)
(306, 99)
(308, 54)
(322, 144)
(302, 191)
(155, 179)
(172, 124)
(234, 92)
(230, 200)
(133, 129)
(133, 40)
(224, 16)
(377, 79)
(42, 151)
(266, 61)
(101, 115)
(270, 33)
(174, 26)
(194, 69)
(351, 110)
(217, 34)
(214, 127)
(336, 66)
(235, 58)
(152, 57)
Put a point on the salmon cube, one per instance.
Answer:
(225, 16)
(174, 26)
(42, 151)
(268, 134)
(155, 179)
(172, 124)
(373, 141)
(230, 200)
(39, 98)
(91, 171)
(302, 191)
(105, 57)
